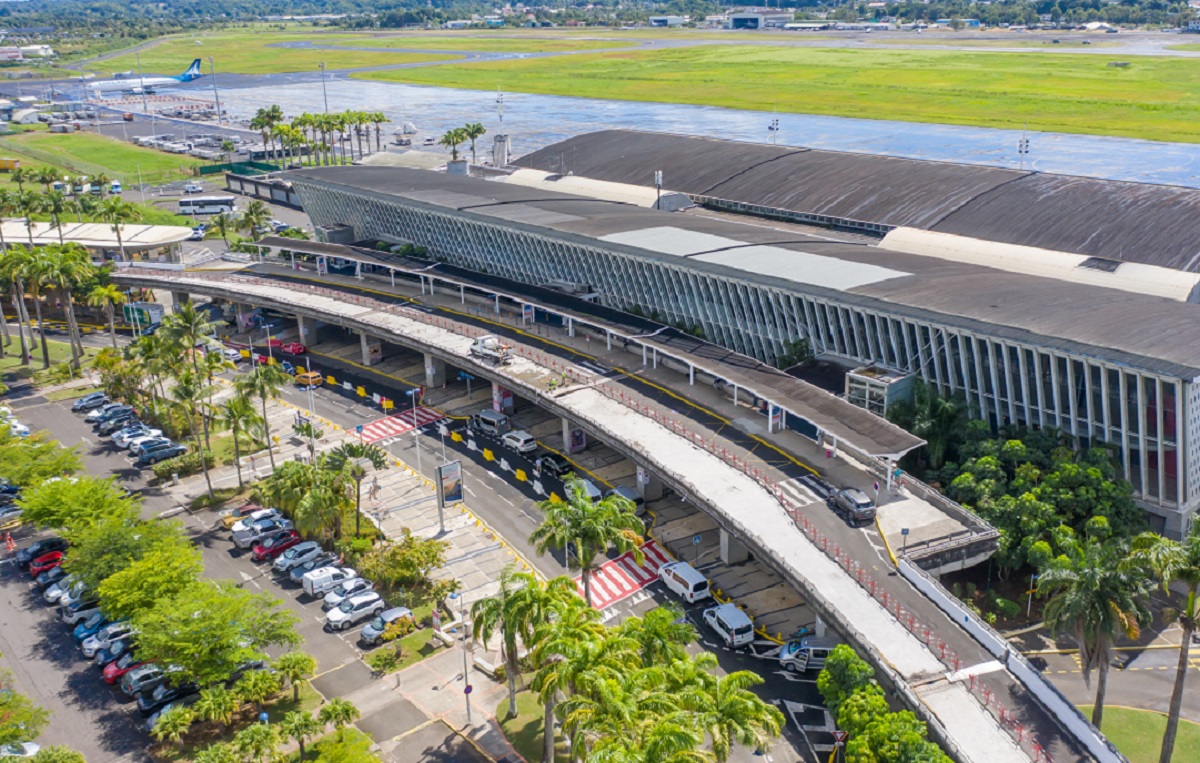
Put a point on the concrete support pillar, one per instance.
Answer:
(178, 298)
(435, 372)
(502, 397)
(733, 551)
(367, 344)
(650, 487)
(574, 438)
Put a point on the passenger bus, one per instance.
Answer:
(207, 205)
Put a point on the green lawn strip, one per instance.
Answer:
(255, 52)
(223, 452)
(1190, 46)
(349, 745)
(513, 44)
(414, 647)
(72, 393)
(60, 352)
(221, 495)
(1154, 98)
(524, 732)
(1138, 733)
(115, 157)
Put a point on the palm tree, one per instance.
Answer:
(227, 148)
(56, 203)
(614, 703)
(264, 382)
(258, 686)
(86, 206)
(662, 741)
(47, 176)
(378, 119)
(472, 131)
(239, 415)
(339, 713)
(217, 753)
(118, 213)
(107, 296)
(724, 707)
(937, 420)
(34, 268)
(1095, 600)
(29, 203)
(173, 724)
(661, 635)
(1170, 561)
(300, 726)
(224, 224)
(296, 667)
(258, 741)
(190, 392)
(67, 266)
(12, 269)
(352, 460)
(452, 140)
(19, 176)
(104, 182)
(588, 528)
(254, 218)
(217, 705)
(515, 611)
(323, 504)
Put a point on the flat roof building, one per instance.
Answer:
(1111, 355)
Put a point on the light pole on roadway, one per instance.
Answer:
(415, 394)
(212, 68)
(462, 619)
(324, 93)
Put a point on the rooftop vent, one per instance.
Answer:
(1101, 263)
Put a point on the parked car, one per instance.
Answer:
(106, 636)
(78, 592)
(196, 235)
(853, 505)
(19, 750)
(139, 447)
(345, 590)
(193, 188)
(57, 591)
(552, 464)
(297, 554)
(149, 701)
(10, 516)
(185, 701)
(128, 434)
(115, 671)
(729, 622)
(113, 652)
(231, 517)
(78, 610)
(110, 425)
(272, 547)
(8, 488)
(17, 429)
(45, 562)
(631, 495)
(297, 573)
(151, 457)
(100, 411)
(50, 577)
(309, 379)
(355, 609)
(232, 355)
(90, 402)
(520, 441)
(253, 533)
(141, 679)
(293, 348)
(90, 626)
(253, 516)
(372, 632)
(39, 548)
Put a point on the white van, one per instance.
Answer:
(490, 422)
(321, 581)
(683, 579)
(733, 625)
(808, 653)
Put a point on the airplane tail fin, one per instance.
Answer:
(193, 72)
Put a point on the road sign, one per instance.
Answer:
(840, 736)
(358, 428)
(904, 531)
(696, 540)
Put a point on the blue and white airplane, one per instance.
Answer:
(138, 85)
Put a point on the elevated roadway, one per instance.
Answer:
(974, 704)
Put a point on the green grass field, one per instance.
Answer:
(1156, 98)
(1138, 733)
(1192, 46)
(116, 156)
(244, 52)
(524, 732)
(509, 44)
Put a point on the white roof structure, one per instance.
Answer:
(623, 193)
(96, 235)
(420, 160)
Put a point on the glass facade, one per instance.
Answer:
(1150, 419)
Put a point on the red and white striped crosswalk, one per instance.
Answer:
(622, 577)
(399, 423)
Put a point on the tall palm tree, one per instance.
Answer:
(227, 148)
(352, 459)
(473, 131)
(452, 139)
(118, 213)
(20, 176)
(301, 726)
(615, 703)
(264, 382)
(936, 419)
(191, 392)
(12, 270)
(588, 528)
(1170, 561)
(339, 713)
(103, 182)
(107, 296)
(239, 415)
(224, 224)
(296, 667)
(86, 206)
(322, 505)
(68, 266)
(34, 270)
(661, 635)
(723, 706)
(254, 218)
(47, 176)
(1095, 600)
(56, 204)
(378, 119)
(257, 742)
(217, 705)
(29, 203)
(515, 611)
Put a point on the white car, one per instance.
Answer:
(232, 355)
(136, 443)
(19, 750)
(345, 590)
(124, 438)
(105, 637)
(17, 429)
(520, 441)
(355, 609)
(253, 517)
(297, 554)
(60, 589)
(193, 188)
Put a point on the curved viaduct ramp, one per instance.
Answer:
(943, 686)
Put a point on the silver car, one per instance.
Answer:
(253, 533)
(56, 591)
(348, 589)
(297, 554)
(355, 609)
(105, 637)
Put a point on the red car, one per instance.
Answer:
(46, 562)
(294, 348)
(114, 670)
(276, 545)
(273, 343)
(260, 358)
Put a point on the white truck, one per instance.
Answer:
(490, 348)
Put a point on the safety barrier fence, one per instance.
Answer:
(758, 473)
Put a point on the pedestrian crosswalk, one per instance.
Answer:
(399, 423)
(802, 491)
(622, 577)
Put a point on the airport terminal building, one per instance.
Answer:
(877, 261)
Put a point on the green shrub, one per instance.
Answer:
(185, 465)
(1006, 607)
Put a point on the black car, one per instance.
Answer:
(50, 577)
(552, 464)
(90, 402)
(37, 548)
(8, 488)
(108, 426)
(112, 652)
(150, 701)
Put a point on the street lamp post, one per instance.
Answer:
(142, 85)
(324, 93)
(415, 393)
(462, 618)
(212, 68)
